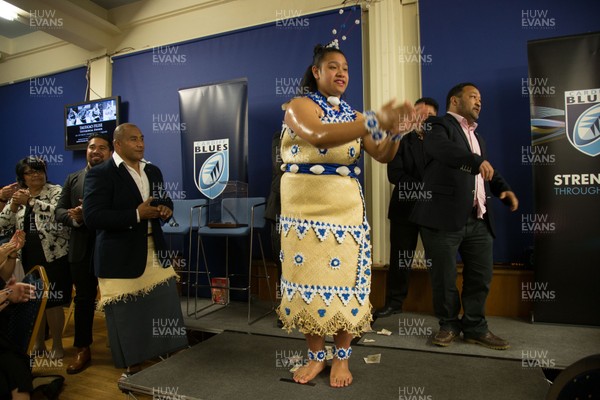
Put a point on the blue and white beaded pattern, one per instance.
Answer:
(345, 113)
(301, 227)
(372, 125)
(342, 353)
(317, 355)
(298, 259)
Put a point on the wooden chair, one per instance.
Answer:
(26, 318)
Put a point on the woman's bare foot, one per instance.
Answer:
(309, 372)
(340, 373)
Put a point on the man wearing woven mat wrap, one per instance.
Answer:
(123, 201)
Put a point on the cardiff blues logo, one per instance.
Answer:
(213, 158)
(582, 110)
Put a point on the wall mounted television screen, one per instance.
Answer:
(85, 119)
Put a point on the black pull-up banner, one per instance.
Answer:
(215, 145)
(564, 80)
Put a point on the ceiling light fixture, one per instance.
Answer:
(8, 11)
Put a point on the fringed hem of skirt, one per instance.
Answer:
(124, 297)
(306, 323)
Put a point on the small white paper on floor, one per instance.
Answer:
(384, 332)
(328, 353)
(373, 359)
(368, 340)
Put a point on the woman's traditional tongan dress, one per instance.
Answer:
(325, 247)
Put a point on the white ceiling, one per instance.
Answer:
(82, 22)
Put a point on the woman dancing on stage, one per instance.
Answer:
(325, 246)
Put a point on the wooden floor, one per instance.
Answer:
(99, 380)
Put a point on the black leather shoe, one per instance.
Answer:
(387, 311)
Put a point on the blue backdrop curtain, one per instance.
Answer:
(272, 57)
(486, 43)
(32, 123)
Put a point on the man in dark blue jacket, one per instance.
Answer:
(124, 202)
(459, 217)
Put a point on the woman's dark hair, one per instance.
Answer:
(309, 83)
(33, 162)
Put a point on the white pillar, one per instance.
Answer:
(100, 79)
(392, 26)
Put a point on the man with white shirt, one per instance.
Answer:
(123, 201)
(458, 218)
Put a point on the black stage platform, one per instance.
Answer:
(235, 365)
(244, 361)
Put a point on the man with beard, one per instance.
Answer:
(459, 218)
(69, 211)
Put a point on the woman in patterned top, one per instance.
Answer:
(31, 209)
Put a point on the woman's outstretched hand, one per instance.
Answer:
(400, 119)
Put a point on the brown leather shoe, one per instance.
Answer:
(489, 340)
(444, 338)
(82, 360)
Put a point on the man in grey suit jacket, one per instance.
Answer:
(69, 211)
(459, 217)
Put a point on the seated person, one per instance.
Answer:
(15, 370)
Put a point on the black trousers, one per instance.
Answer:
(403, 241)
(86, 290)
(275, 243)
(474, 243)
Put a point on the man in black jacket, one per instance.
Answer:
(69, 211)
(405, 172)
(459, 218)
